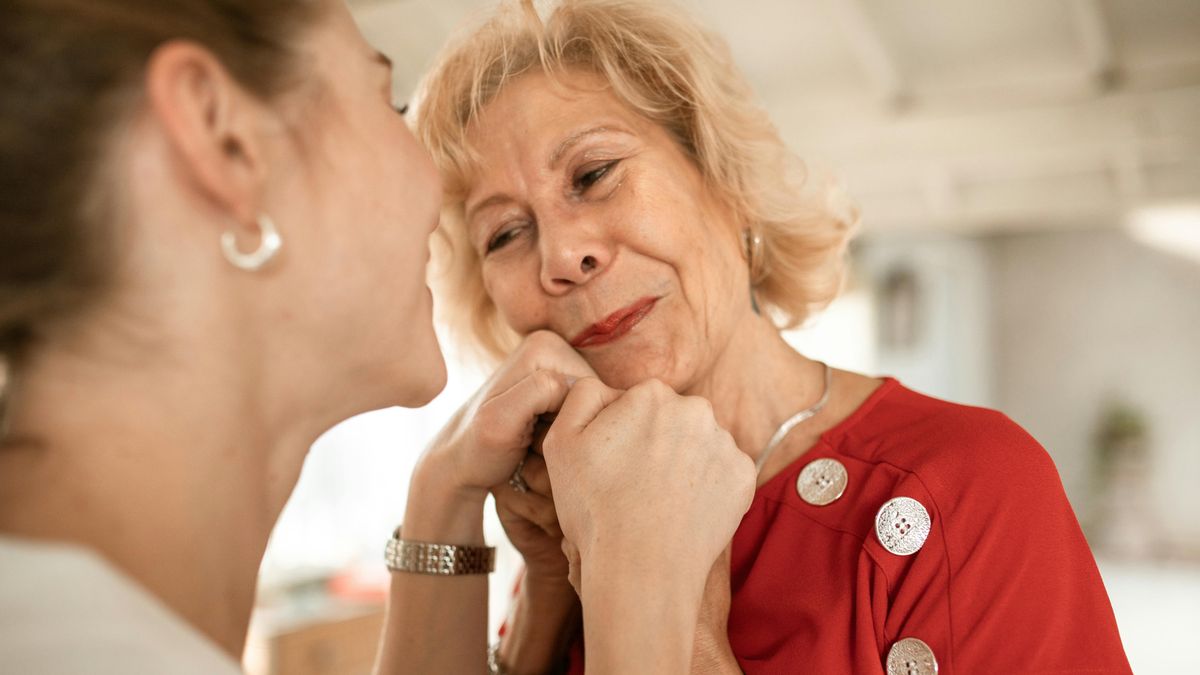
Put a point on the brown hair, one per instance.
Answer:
(70, 72)
(662, 63)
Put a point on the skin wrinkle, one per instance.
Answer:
(660, 229)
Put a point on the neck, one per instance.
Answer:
(757, 383)
(170, 470)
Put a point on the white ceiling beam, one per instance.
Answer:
(1095, 38)
(872, 53)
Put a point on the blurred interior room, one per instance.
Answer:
(1028, 174)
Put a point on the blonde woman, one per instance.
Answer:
(213, 238)
(610, 179)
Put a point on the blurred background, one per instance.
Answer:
(1029, 177)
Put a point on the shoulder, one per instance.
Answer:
(949, 447)
(68, 611)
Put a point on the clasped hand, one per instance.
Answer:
(644, 477)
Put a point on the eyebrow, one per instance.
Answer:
(555, 157)
(497, 198)
(574, 139)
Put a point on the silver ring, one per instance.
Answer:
(517, 481)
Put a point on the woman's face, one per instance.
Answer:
(592, 221)
(363, 197)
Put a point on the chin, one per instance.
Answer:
(428, 380)
(624, 370)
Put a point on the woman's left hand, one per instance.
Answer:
(712, 652)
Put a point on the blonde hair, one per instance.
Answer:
(664, 65)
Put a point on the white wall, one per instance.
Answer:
(950, 357)
(1085, 315)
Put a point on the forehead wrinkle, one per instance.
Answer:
(470, 182)
(555, 157)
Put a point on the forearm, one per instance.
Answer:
(437, 624)
(544, 619)
(636, 621)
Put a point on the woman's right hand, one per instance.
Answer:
(478, 451)
(485, 440)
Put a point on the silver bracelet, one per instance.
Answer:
(421, 557)
(494, 667)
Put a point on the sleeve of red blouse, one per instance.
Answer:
(1016, 586)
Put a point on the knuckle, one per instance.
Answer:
(546, 381)
(588, 384)
(652, 388)
(747, 474)
(539, 340)
(488, 433)
(698, 405)
(660, 388)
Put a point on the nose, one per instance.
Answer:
(572, 254)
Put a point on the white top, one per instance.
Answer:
(65, 611)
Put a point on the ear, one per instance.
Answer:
(212, 126)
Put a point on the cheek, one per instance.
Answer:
(516, 295)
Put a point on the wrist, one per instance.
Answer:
(540, 585)
(441, 511)
(655, 607)
(627, 558)
(541, 626)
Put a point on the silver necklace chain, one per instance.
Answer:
(792, 421)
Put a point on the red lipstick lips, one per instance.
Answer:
(615, 325)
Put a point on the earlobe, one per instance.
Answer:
(208, 121)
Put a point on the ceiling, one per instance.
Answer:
(944, 114)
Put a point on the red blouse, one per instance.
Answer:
(1002, 581)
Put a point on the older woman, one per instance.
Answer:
(213, 237)
(609, 179)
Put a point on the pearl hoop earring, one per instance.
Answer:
(269, 244)
(753, 243)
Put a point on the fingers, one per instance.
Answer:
(541, 427)
(541, 350)
(587, 398)
(545, 350)
(535, 508)
(507, 420)
(537, 477)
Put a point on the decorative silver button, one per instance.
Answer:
(911, 656)
(902, 525)
(822, 482)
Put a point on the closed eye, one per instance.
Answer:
(504, 237)
(586, 180)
